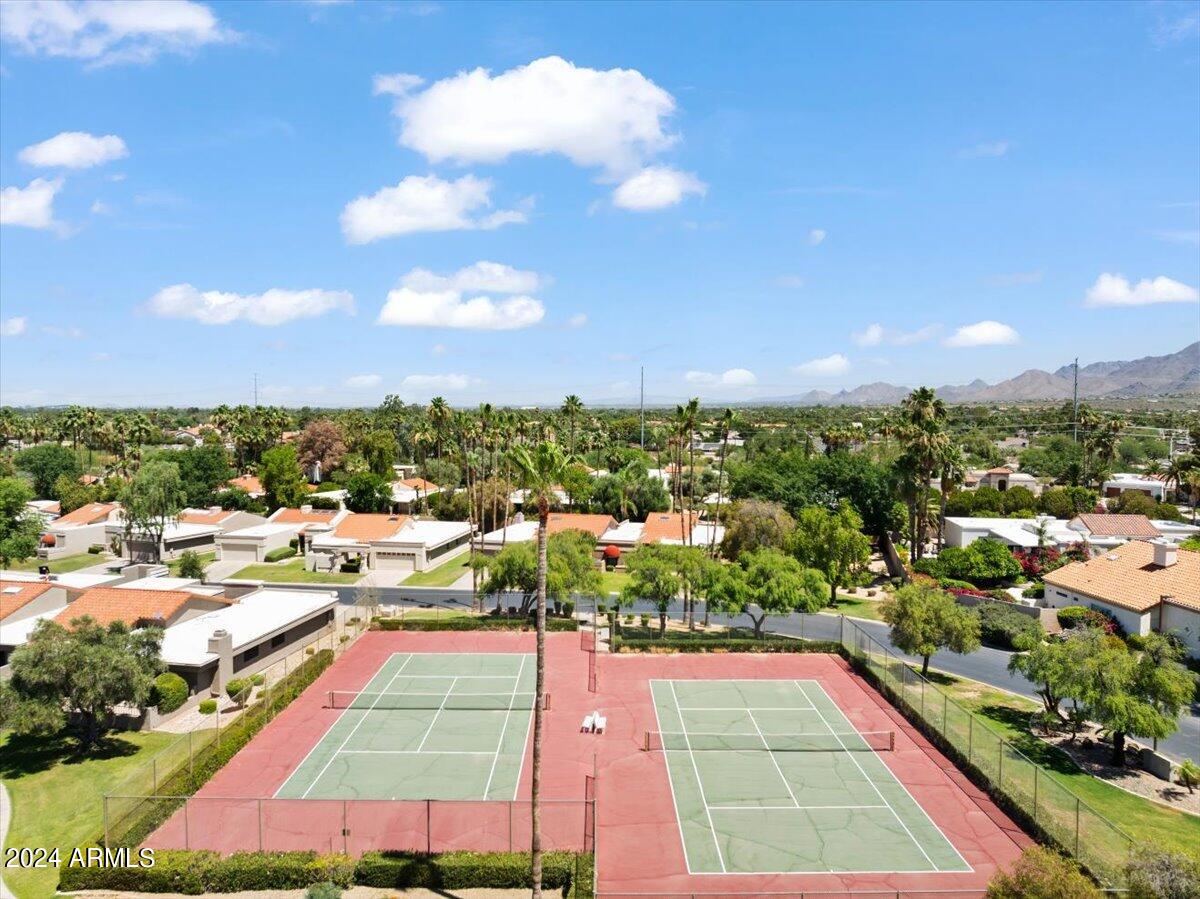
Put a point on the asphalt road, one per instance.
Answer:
(985, 664)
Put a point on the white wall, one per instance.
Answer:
(1132, 622)
(1185, 624)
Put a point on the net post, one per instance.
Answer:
(428, 827)
(892, 741)
(646, 741)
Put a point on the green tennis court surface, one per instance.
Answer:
(769, 776)
(427, 726)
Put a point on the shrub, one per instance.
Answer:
(930, 565)
(278, 555)
(277, 871)
(601, 608)
(258, 679)
(238, 689)
(1042, 874)
(461, 870)
(1159, 874)
(95, 549)
(174, 871)
(325, 502)
(294, 543)
(170, 692)
(1008, 628)
(568, 608)
(353, 566)
(683, 642)
(1077, 616)
(1189, 775)
(190, 565)
(949, 583)
(208, 706)
(1034, 591)
(323, 891)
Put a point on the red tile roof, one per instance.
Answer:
(248, 482)
(1127, 577)
(365, 527)
(89, 514)
(26, 592)
(420, 484)
(575, 521)
(204, 516)
(1102, 525)
(300, 516)
(134, 607)
(667, 526)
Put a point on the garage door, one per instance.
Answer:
(235, 553)
(395, 561)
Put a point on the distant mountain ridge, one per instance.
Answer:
(1170, 375)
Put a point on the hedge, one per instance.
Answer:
(1007, 628)
(483, 623)
(170, 692)
(210, 759)
(278, 555)
(197, 872)
(722, 644)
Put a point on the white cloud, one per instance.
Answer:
(612, 119)
(424, 203)
(657, 187)
(986, 150)
(816, 237)
(428, 300)
(362, 382)
(732, 377)
(483, 275)
(111, 32)
(397, 85)
(791, 282)
(31, 206)
(1185, 237)
(435, 383)
(99, 207)
(578, 320)
(74, 150)
(14, 327)
(70, 331)
(825, 367)
(1116, 290)
(272, 307)
(876, 334)
(984, 333)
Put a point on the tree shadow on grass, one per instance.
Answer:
(1031, 747)
(25, 754)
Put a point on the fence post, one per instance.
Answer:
(970, 735)
(1035, 792)
(1077, 827)
(945, 713)
(428, 827)
(345, 829)
(1000, 764)
(260, 841)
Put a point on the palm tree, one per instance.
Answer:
(572, 408)
(440, 415)
(539, 470)
(922, 432)
(953, 472)
(728, 417)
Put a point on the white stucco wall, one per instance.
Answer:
(1132, 622)
(1185, 624)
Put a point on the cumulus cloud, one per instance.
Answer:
(74, 150)
(424, 203)
(732, 377)
(31, 206)
(14, 327)
(876, 334)
(613, 119)
(984, 333)
(816, 237)
(656, 187)
(424, 384)
(825, 367)
(272, 307)
(1116, 290)
(427, 300)
(105, 33)
(362, 382)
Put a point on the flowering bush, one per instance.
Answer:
(1037, 561)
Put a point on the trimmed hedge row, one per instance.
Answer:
(278, 555)
(197, 872)
(210, 759)
(722, 644)
(483, 623)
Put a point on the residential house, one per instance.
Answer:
(1017, 533)
(249, 483)
(22, 605)
(1145, 586)
(1127, 482)
(1003, 478)
(76, 531)
(193, 529)
(49, 509)
(251, 544)
(522, 528)
(386, 541)
(411, 492)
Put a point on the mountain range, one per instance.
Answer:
(1171, 375)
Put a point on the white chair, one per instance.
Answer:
(600, 722)
(589, 724)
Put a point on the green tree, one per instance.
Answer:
(151, 501)
(19, 529)
(73, 494)
(833, 543)
(84, 671)
(191, 565)
(45, 464)
(1067, 502)
(767, 582)
(752, 524)
(1154, 873)
(283, 483)
(579, 486)
(1052, 666)
(204, 470)
(380, 450)
(653, 577)
(925, 619)
(368, 492)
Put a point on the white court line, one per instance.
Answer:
(863, 772)
(411, 752)
(783, 808)
(747, 708)
(700, 785)
(774, 761)
(436, 715)
(353, 731)
(671, 780)
(504, 729)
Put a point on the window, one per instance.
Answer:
(278, 640)
(250, 654)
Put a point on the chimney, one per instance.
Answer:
(1165, 553)
(221, 643)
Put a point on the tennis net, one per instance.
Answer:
(849, 741)
(485, 702)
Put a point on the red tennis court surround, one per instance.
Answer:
(636, 833)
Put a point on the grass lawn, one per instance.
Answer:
(443, 575)
(435, 614)
(63, 565)
(1148, 823)
(205, 558)
(57, 794)
(292, 572)
(612, 582)
(855, 608)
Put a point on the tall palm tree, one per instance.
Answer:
(725, 423)
(440, 416)
(922, 433)
(539, 470)
(572, 408)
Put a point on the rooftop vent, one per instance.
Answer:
(1165, 554)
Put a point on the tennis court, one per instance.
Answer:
(770, 777)
(426, 726)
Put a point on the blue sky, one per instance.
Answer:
(513, 202)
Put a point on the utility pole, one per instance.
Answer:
(256, 390)
(642, 406)
(1075, 405)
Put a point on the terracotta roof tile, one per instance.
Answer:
(134, 607)
(667, 526)
(421, 484)
(89, 514)
(204, 516)
(300, 516)
(574, 521)
(1118, 525)
(27, 591)
(1127, 577)
(364, 527)
(248, 482)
